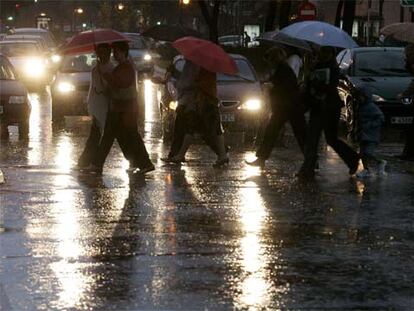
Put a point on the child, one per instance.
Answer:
(370, 121)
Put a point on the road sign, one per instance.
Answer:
(409, 3)
(307, 11)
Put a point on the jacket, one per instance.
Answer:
(285, 88)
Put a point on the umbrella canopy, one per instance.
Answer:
(170, 33)
(281, 38)
(87, 40)
(321, 33)
(206, 54)
(400, 31)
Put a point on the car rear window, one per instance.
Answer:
(6, 71)
(380, 63)
(78, 63)
(245, 72)
(18, 49)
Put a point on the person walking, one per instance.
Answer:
(370, 121)
(199, 113)
(325, 107)
(98, 104)
(285, 104)
(122, 119)
(408, 96)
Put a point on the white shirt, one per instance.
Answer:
(296, 63)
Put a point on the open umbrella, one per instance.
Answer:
(87, 40)
(206, 54)
(281, 38)
(170, 33)
(321, 33)
(400, 31)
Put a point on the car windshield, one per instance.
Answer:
(380, 63)
(19, 49)
(245, 72)
(78, 63)
(6, 71)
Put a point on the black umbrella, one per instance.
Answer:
(170, 33)
(281, 38)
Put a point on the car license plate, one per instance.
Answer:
(401, 120)
(227, 117)
(1, 109)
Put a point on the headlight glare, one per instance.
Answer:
(252, 104)
(17, 99)
(173, 105)
(65, 87)
(35, 67)
(56, 58)
(147, 57)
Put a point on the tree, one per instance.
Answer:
(211, 16)
(349, 15)
(105, 14)
(271, 15)
(339, 13)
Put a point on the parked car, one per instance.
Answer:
(45, 34)
(241, 101)
(29, 61)
(41, 42)
(140, 53)
(232, 40)
(383, 68)
(14, 102)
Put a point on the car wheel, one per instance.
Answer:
(24, 129)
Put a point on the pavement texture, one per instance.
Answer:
(192, 237)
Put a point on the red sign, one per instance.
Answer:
(307, 11)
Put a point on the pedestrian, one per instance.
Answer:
(325, 107)
(370, 122)
(122, 119)
(198, 108)
(408, 97)
(246, 40)
(285, 104)
(98, 104)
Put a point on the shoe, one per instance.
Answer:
(221, 163)
(364, 174)
(145, 170)
(258, 162)
(381, 168)
(354, 167)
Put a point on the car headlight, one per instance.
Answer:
(147, 57)
(17, 99)
(35, 67)
(377, 98)
(65, 87)
(56, 58)
(252, 104)
(173, 105)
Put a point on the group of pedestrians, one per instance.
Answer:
(319, 96)
(112, 104)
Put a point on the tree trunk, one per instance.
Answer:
(211, 18)
(271, 15)
(284, 13)
(349, 15)
(381, 12)
(339, 13)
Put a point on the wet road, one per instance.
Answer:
(195, 238)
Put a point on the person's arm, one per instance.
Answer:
(120, 77)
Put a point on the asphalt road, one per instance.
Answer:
(197, 238)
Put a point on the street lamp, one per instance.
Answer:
(10, 18)
(79, 11)
(120, 6)
(186, 2)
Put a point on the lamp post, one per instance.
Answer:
(76, 11)
(181, 4)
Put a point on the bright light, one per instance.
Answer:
(79, 10)
(84, 25)
(56, 58)
(121, 6)
(158, 23)
(147, 57)
(10, 18)
(186, 2)
(66, 87)
(35, 67)
(251, 104)
(42, 14)
(173, 105)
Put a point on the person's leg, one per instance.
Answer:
(298, 123)
(408, 152)
(312, 144)
(346, 153)
(178, 134)
(107, 140)
(91, 145)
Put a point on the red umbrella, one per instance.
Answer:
(87, 40)
(206, 54)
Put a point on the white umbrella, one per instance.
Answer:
(321, 33)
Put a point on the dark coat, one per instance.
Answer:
(285, 89)
(370, 118)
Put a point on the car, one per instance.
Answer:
(241, 100)
(15, 106)
(70, 87)
(231, 40)
(45, 34)
(140, 53)
(382, 68)
(29, 61)
(38, 39)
